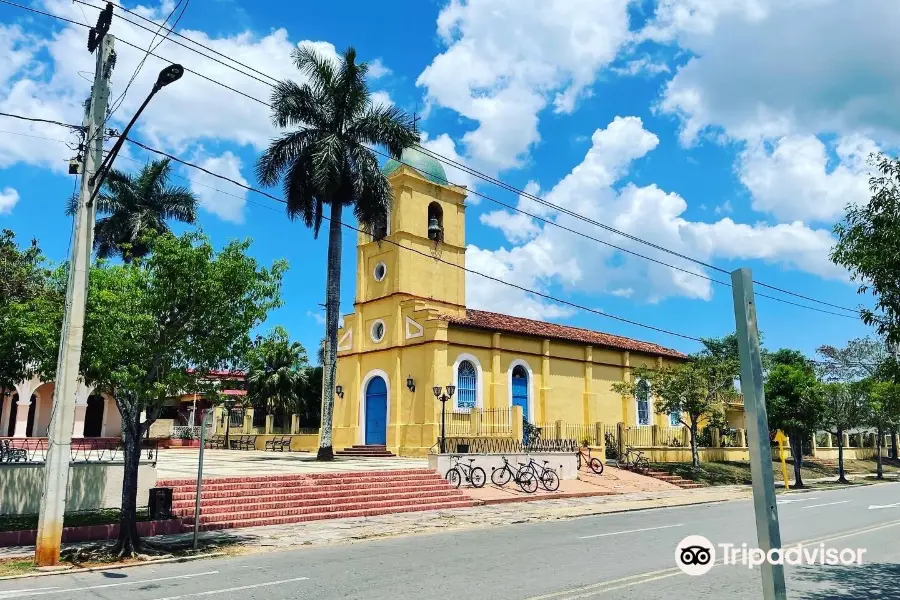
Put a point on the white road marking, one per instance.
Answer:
(662, 572)
(109, 585)
(826, 504)
(16, 592)
(874, 506)
(587, 537)
(235, 589)
(792, 500)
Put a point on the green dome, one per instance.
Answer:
(427, 166)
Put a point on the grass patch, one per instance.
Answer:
(94, 517)
(738, 473)
(16, 566)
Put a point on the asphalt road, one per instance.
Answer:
(629, 555)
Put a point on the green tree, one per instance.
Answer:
(327, 160)
(868, 246)
(158, 325)
(845, 408)
(277, 370)
(136, 207)
(697, 390)
(794, 402)
(883, 414)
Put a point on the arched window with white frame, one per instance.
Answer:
(466, 385)
(642, 401)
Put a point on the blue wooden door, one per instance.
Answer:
(520, 389)
(376, 412)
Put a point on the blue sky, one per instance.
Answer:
(731, 131)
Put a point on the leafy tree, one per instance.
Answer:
(861, 358)
(869, 247)
(277, 372)
(137, 208)
(883, 413)
(30, 312)
(327, 161)
(845, 408)
(159, 324)
(697, 390)
(794, 402)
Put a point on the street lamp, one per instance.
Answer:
(442, 398)
(228, 403)
(170, 74)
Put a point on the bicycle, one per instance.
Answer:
(523, 477)
(634, 460)
(472, 474)
(547, 476)
(595, 464)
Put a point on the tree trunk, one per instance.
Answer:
(695, 455)
(894, 443)
(129, 541)
(840, 438)
(332, 314)
(879, 466)
(796, 439)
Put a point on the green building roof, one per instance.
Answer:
(427, 166)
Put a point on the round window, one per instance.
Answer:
(377, 331)
(380, 271)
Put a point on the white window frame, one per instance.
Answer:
(637, 412)
(509, 374)
(479, 383)
(362, 404)
(380, 263)
(677, 415)
(383, 331)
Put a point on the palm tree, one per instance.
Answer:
(137, 205)
(327, 160)
(277, 372)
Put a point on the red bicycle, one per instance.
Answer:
(595, 464)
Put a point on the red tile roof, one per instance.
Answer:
(506, 324)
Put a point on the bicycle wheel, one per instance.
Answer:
(578, 458)
(641, 465)
(454, 477)
(550, 480)
(501, 476)
(478, 477)
(527, 481)
(596, 466)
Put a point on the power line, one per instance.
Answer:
(37, 120)
(508, 187)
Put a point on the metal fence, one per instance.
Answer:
(639, 436)
(477, 422)
(191, 432)
(34, 450)
(502, 445)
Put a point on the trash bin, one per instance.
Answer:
(160, 504)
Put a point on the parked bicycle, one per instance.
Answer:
(460, 471)
(595, 464)
(523, 476)
(545, 475)
(634, 460)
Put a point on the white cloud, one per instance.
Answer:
(642, 66)
(507, 60)
(792, 179)
(8, 200)
(218, 196)
(377, 69)
(317, 317)
(381, 98)
(593, 189)
(446, 147)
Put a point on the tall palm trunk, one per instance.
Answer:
(332, 314)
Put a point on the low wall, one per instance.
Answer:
(90, 533)
(849, 453)
(565, 463)
(679, 454)
(91, 486)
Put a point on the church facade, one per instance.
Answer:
(411, 330)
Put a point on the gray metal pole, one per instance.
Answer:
(768, 534)
(62, 418)
(206, 415)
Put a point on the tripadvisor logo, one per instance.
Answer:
(695, 555)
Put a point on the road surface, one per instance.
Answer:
(627, 555)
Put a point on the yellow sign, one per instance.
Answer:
(781, 439)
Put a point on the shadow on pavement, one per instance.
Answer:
(877, 581)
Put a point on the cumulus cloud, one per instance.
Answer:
(218, 196)
(8, 200)
(446, 147)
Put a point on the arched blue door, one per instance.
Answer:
(520, 389)
(376, 412)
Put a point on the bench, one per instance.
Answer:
(279, 444)
(245, 442)
(11, 453)
(216, 442)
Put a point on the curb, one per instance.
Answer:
(174, 559)
(550, 496)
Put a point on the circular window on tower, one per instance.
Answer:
(380, 271)
(377, 331)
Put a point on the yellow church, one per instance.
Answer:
(411, 331)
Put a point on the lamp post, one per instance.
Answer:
(228, 404)
(442, 398)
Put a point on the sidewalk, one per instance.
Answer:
(337, 531)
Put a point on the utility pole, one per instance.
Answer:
(56, 467)
(768, 533)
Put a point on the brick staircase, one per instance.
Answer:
(685, 484)
(229, 502)
(368, 451)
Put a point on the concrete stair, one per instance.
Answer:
(230, 502)
(685, 484)
(366, 450)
